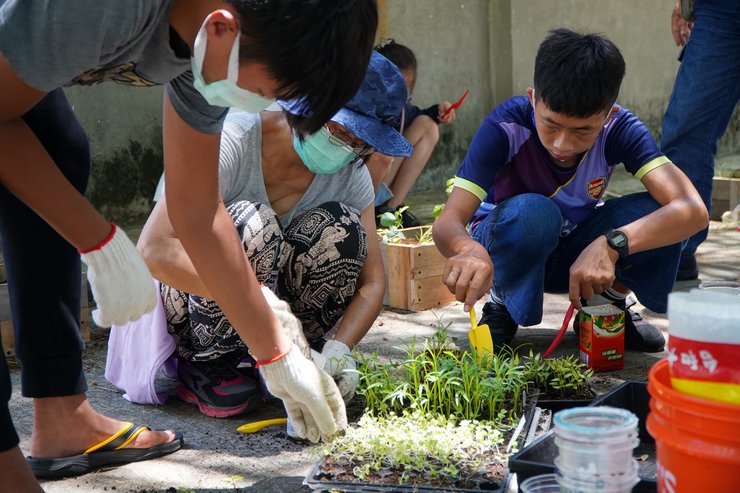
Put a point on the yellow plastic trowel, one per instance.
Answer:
(258, 425)
(479, 337)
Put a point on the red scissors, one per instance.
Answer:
(456, 105)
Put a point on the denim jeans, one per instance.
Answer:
(522, 236)
(705, 93)
(44, 272)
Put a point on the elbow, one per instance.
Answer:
(153, 258)
(699, 215)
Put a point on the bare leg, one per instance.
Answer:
(64, 426)
(423, 134)
(16, 476)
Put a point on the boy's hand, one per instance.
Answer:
(593, 272)
(341, 366)
(469, 275)
(311, 398)
(119, 279)
(449, 117)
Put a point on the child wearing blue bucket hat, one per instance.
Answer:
(303, 209)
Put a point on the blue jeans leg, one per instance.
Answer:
(705, 93)
(519, 234)
(649, 274)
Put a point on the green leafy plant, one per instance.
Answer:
(438, 208)
(557, 377)
(391, 224)
(440, 379)
(415, 443)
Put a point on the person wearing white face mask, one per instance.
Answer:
(284, 48)
(304, 211)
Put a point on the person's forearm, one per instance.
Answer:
(165, 256)
(211, 242)
(672, 223)
(451, 238)
(29, 173)
(361, 313)
(201, 222)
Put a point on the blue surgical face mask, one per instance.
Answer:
(225, 93)
(320, 155)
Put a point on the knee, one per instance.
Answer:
(535, 215)
(253, 219)
(429, 129)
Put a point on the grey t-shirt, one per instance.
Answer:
(240, 172)
(55, 43)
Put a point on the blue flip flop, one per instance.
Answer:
(108, 453)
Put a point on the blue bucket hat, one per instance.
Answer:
(374, 113)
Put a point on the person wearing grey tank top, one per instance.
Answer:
(308, 236)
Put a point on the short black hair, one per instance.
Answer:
(401, 55)
(578, 75)
(315, 49)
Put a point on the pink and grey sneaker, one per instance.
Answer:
(218, 390)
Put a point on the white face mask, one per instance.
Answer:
(225, 93)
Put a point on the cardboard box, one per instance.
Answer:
(602, 337)
(414, 273)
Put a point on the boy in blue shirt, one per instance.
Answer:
(531, 187)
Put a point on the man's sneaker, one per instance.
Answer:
(218, 390)
(688, 269)
(639, 334)
(500, 323)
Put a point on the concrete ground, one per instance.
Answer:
(216, 458)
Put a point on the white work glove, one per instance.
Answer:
(290, 324)
(341, 366)
(120, 281)
(311, 398)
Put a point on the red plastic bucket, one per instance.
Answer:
(697, 440)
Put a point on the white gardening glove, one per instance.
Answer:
(311, 398)
(290, 324)
(341, 366)
(119, 279)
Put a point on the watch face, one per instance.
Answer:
(619, 239)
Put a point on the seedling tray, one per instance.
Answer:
(555, 405)
(318, 480)
(539, 456)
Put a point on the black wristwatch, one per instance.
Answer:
(617, 241)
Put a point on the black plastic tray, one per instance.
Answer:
(316, 482)
(538, 457)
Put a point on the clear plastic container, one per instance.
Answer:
(595, 447)
(544, 483)
(612, 484)
(727, 287)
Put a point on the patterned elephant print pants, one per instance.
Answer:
(313, 264)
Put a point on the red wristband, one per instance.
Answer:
(102, 243)
(274, 358)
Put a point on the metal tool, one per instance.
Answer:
(258, 425)
(479, 337)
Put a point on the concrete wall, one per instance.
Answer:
(490, 46)
(485, 45)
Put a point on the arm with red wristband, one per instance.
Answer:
(119, 280)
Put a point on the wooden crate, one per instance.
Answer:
(414, 274)
(6, 324)
(725, 196)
